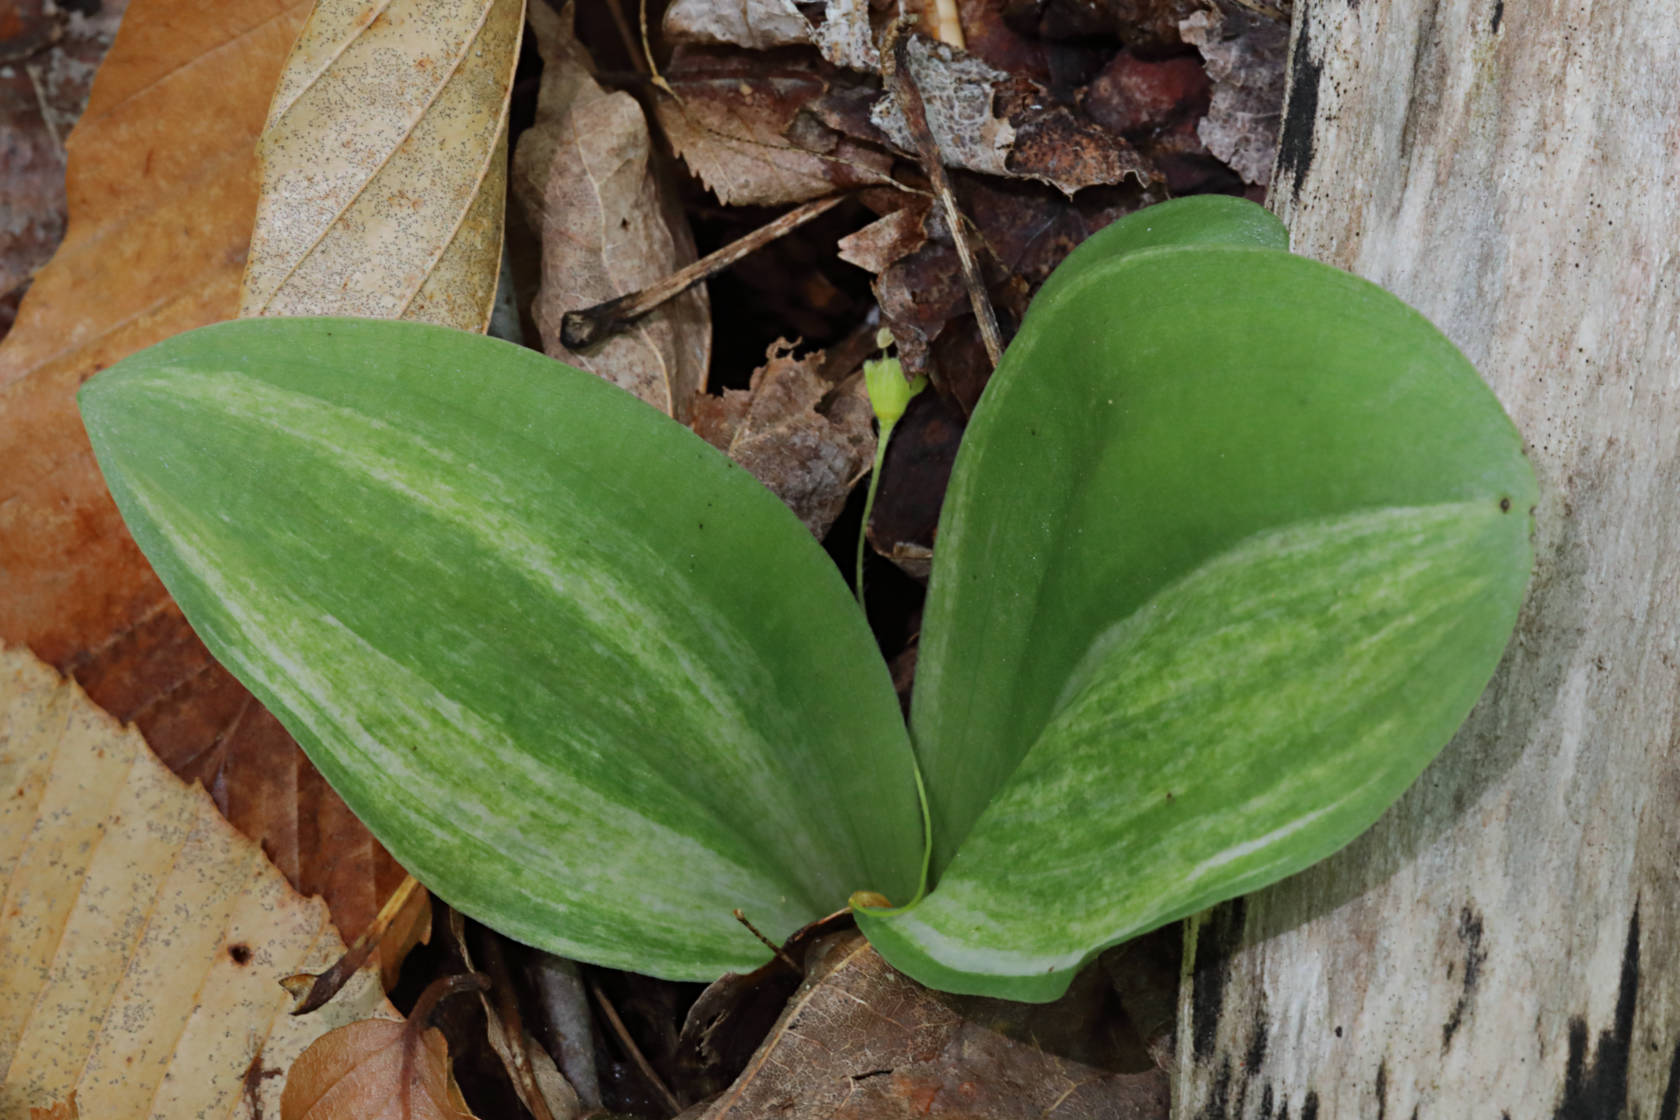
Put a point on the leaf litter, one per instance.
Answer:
(1074, 113)
(143, 937)
(166, 143)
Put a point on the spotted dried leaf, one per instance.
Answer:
(807, 440)
(753, 134)
(985, 119)
(143, 936)
(859, 1040)
(384, 164)
(586, 180)
(1245, 54)
(167, 143)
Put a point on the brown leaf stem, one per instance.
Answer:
(648, 1072)
(313, 992)
(895, 75)
(585, 327)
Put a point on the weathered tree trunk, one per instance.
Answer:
(1506, 942)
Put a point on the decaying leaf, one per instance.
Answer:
(888, 239)
(384, 164)
(754, 134)
(142, 936)
(50, 54)
(860, 1040)
(988, 120)
(585, 178)
(805, 439)
(1245, 54)
(842, 32)
(375, 1069)
(167, 144)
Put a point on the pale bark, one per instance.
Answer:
(1506, 941)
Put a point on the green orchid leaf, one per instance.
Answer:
(585, 677)
(1232, 545)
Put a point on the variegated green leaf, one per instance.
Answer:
(1228, 525)
(578, 671)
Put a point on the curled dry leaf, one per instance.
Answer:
(585, 178)
(755, 134)
(167, 143)
(988, 120)
(1245, 54)
(841, 33)
(810, 459)
(373, 1070)
(860, 1040)
(143, 937)
(384, 164)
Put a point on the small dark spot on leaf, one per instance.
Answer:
(240, 952)
(1504, 505)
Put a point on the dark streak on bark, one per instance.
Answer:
(1295, 138)
(1470, 936)
(1598, 1090)
(1382, 1090)
(1218, 938)
(1670, 1109)
(1498, 15)
(1309, 1107)
(1267, 1105)
(1218, 1104)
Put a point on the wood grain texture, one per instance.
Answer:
(1506, 941)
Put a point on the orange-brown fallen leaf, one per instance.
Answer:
(373, 1070)
(141, 936)
(162, 189)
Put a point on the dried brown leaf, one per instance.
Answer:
(842, 33)
(48, 55)
(860, 1040)
(384, 164)
(142, 936)
(585, 177)
(889, 239)
(988, 120)
(373, 1070)
(811, 459)
(167, 144)
(1245, 54)
(752, 132)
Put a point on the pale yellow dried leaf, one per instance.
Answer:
(141, 936)
(384, 163)
(585, 177)
(373, 1070)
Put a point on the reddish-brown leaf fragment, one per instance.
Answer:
(746, 130)
(991, 121)
(860, 1040)
(373, 1070)
(805, 439)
